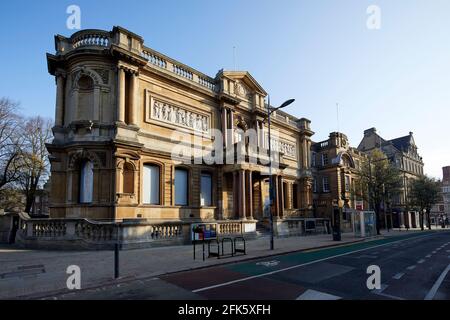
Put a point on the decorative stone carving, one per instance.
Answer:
(242, 90)
(178, 116)
(104, 74)
(287, 148)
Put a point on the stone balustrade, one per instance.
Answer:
(130, 233)
(231, 227)
(94, 38)
(159, 60)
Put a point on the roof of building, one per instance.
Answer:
(402, 143)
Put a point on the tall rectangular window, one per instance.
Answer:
(151, 184)
(347, 184)
(313, 159)
(324, 159)
(315, 185)
(295, 195)
(86, 181)
(206, 190)
(181, 187)
(326, 184)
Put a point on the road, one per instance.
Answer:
(412, 267)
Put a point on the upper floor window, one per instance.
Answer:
(324, 159)
(86, 181)
(313, 159)
(315, 185)
(206, 189)
(325, 184)
(151, 184)
(347, 184)
(181, 187)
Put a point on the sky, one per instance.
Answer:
(319, 52)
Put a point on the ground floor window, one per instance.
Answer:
(86, 181)
(181, 187)
(206, 190)
(128, 178)
(151, 184)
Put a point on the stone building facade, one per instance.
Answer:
(403, 153)
(335, 170)
(135, 131)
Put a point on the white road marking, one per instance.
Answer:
(434, 252)
(268, 264)
(388, 296)
(383, 287)
(428, 256)
(411, 267)
(421, 261)
(297, 266)
(398, 276)
(430, 295)
(317, 295)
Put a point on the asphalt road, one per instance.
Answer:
(411, 267)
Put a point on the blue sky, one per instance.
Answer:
(319, 52)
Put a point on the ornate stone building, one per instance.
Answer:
(335, 169)
(402, 152)
(124, 110)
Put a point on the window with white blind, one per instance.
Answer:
(206, 190)
(181, 187)
(86, 181)
(151, 184)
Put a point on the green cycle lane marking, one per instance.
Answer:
(251, 268)
(306, 258)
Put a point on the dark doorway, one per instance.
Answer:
(14, 228)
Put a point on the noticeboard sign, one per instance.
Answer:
(203, 231)
(359, 205)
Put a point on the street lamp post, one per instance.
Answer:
(271, 190)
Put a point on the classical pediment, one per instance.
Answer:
(245, 83)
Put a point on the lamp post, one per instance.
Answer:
(270, 110)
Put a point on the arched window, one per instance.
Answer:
(151, 184)
(206, 189)
(86, 181)
(181, 187)
(128, 178)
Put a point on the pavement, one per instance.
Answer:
(150, 273)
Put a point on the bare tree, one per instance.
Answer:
(35, 163)
(10, 142)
